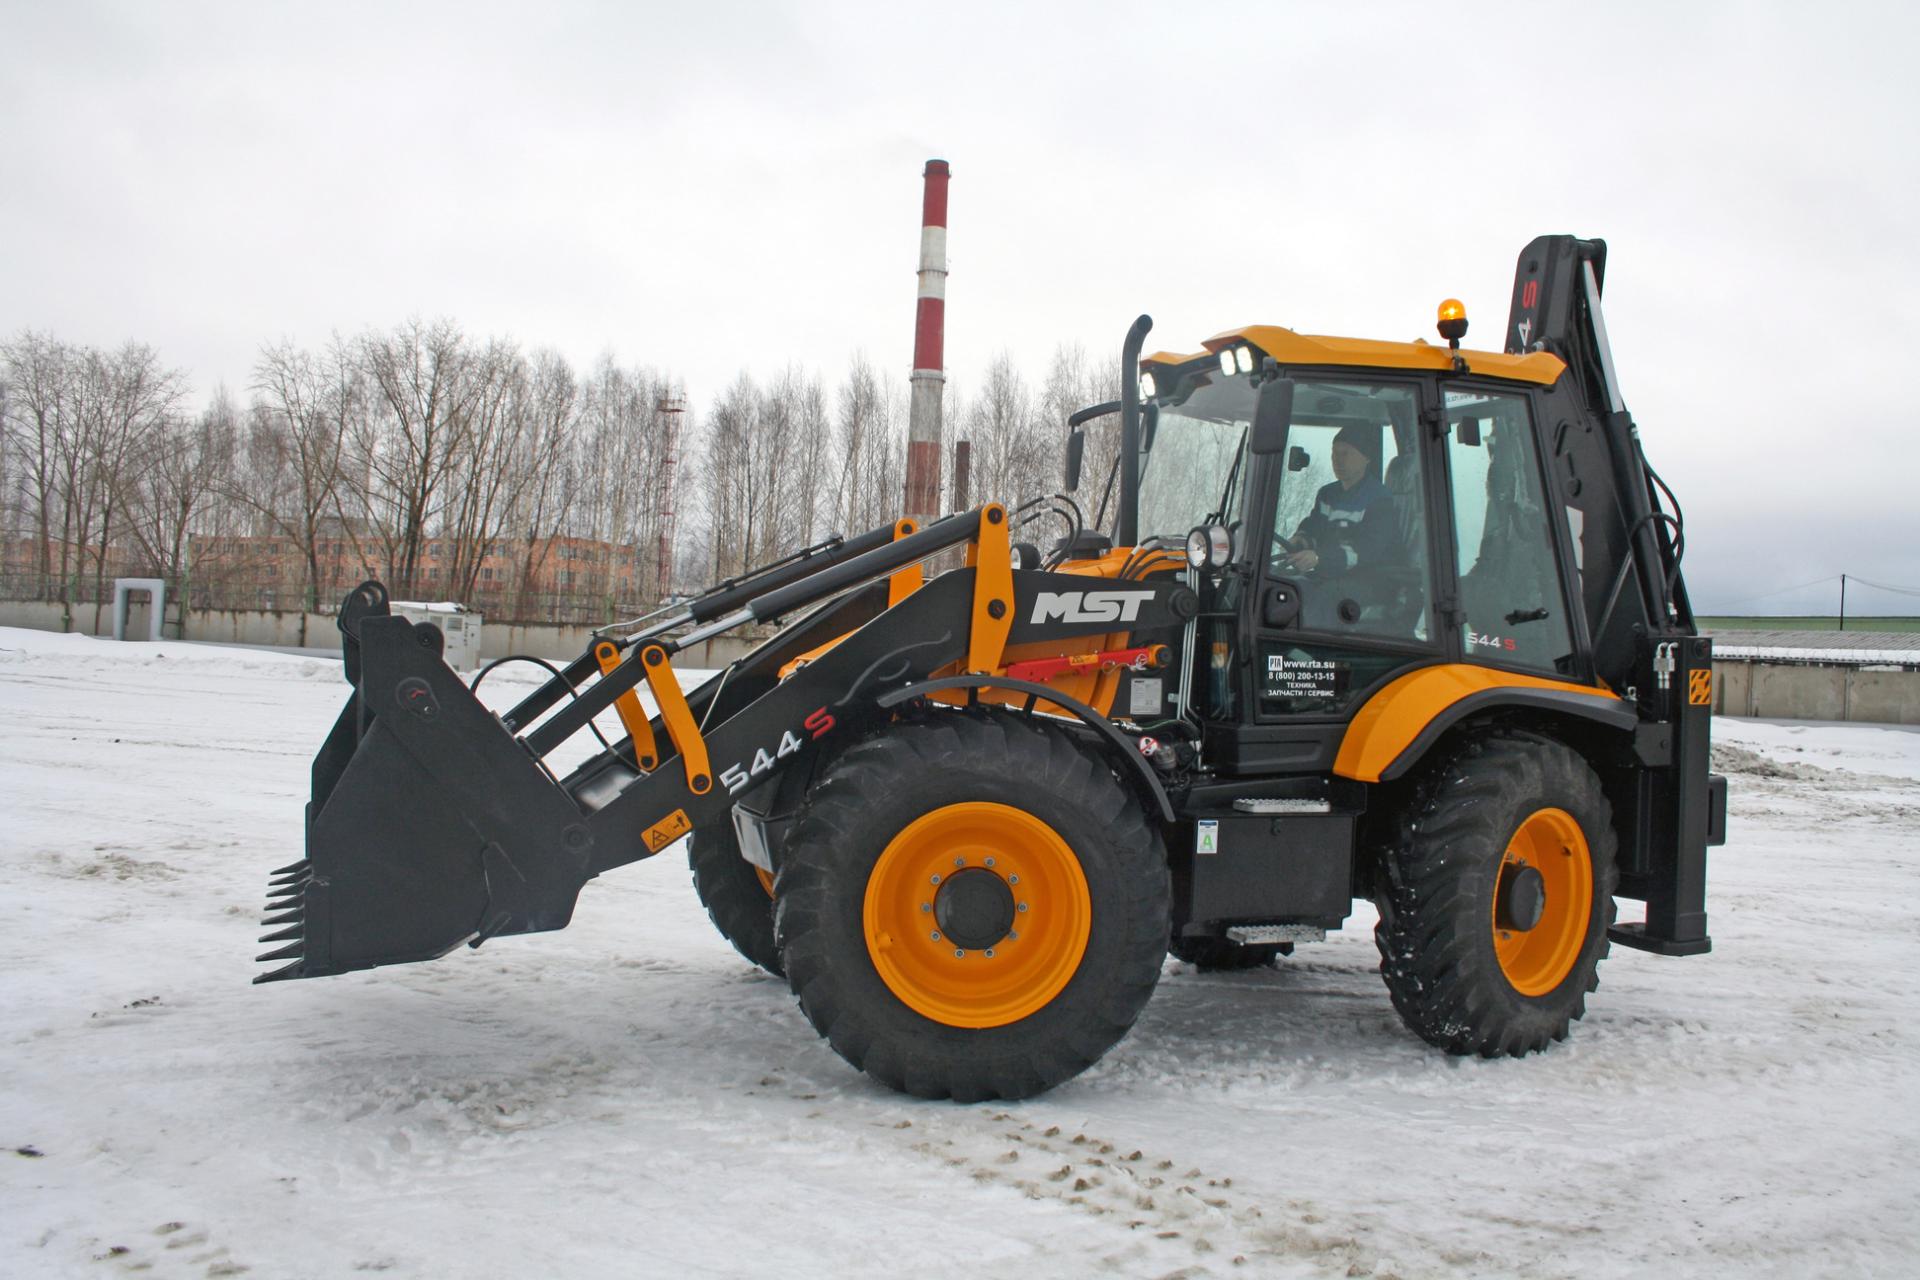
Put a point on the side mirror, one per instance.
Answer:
(1468, 432)
(1149, 427)
(1271, 414)
(1076, 449)
(1297, 459)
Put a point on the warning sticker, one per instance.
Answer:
(1144, 696)
(1305, 679)
(1206, 836)
(1700, 687)
(667, 830)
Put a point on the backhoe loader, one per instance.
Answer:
(1370, 620)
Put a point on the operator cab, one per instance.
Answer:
(1396, 514)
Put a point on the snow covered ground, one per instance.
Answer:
(627, 1097)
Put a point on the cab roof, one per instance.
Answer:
(1288, 347)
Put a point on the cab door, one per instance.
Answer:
(1511, 590)
(1344, 594)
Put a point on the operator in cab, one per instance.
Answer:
(1337, 534)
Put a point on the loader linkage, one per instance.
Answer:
(435, 822)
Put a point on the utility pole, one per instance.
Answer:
(929, 340)
(1843, 602)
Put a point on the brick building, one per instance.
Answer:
(555, 579)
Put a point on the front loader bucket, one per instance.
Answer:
(429, 824)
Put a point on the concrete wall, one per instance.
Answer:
(1809, 691)
(234, 626)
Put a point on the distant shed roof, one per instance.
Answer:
(1852, 648)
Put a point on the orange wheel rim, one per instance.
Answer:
(980, 869)
(765, 877)
(1538, 959)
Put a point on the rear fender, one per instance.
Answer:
(1398, 725)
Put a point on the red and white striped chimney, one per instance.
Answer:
(929, 343)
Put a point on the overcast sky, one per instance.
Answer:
(708, 187)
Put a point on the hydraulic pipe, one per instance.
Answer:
(716, 603)
(896, 554)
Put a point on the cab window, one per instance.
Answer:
(1350, 520)
(1510, 590)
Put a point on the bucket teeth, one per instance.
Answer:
(291, 867)
(287, 934)
(287, 891)
(292, 952)
(285, 917)
(293, 970)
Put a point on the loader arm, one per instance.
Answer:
(435, 821)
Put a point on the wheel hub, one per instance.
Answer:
(1523, 898)
(974, 908)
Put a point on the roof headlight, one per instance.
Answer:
(1226, 362)
(1243, 359)
(1148, 389)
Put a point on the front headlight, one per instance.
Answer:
(1197, 548)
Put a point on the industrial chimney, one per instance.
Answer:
(929, 342)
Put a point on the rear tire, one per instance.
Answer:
(1001, 840)
(1220, 955)
(738, 896)
(1496, 897)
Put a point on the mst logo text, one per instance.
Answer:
(1089, 606)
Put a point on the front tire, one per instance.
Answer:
(972, 906)
(1497, 895)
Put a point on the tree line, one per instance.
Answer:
(423, 436)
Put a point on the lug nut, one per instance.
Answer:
(1023, 906)
(1013, 879)
(989, 953)
(959, 862)
(989, 861)
(935, 879)
(936, 935)
(958, 954)
(926, 906)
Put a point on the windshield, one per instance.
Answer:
(1192, 464)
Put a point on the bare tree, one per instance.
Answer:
(38, 372)
(125, 397)
(540, 502)
(304, 406)
(424, 390)
(188, 469)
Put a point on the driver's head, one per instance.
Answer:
(1356, 453)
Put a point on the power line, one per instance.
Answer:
(1832, 577)
(1904, 591)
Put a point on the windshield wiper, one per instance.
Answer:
(1233, 474)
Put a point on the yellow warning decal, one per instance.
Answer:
(1700, 687)
(667, 830)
